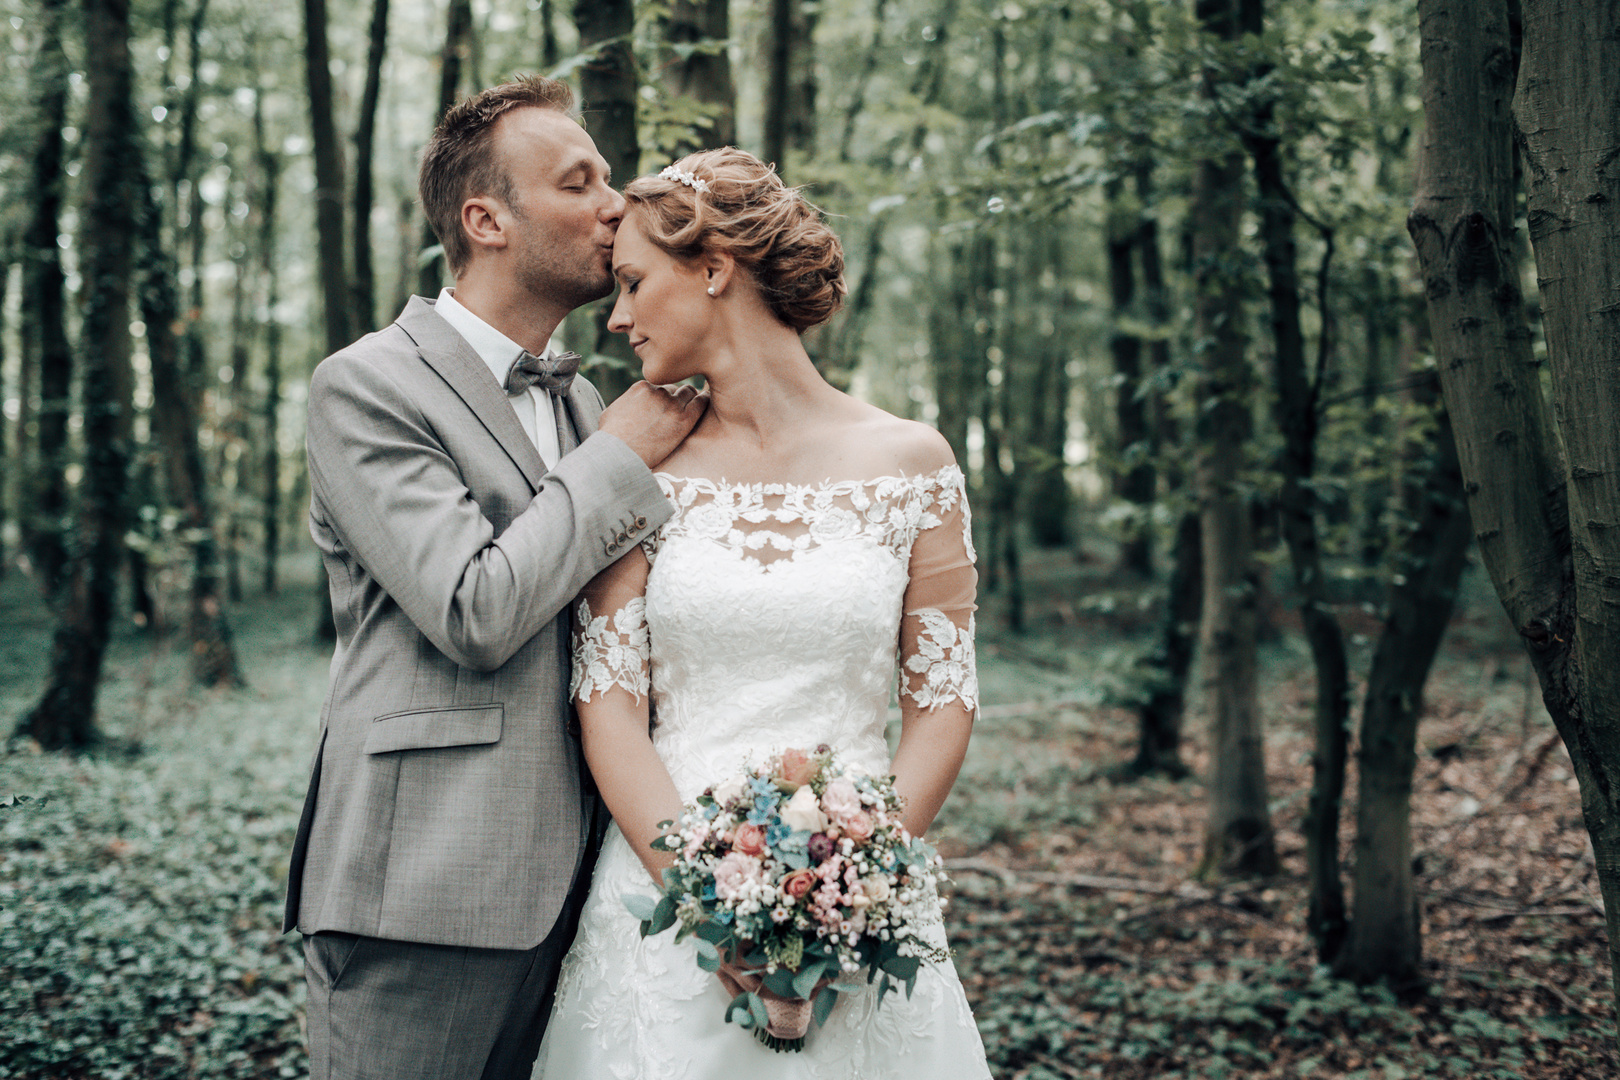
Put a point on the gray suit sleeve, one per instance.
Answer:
(396, 499)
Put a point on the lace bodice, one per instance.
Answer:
(763, 616)
(776, 614)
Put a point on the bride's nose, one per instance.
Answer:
(619, 321)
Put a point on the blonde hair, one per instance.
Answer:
(745, 211)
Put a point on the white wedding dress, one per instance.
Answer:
(774, 616)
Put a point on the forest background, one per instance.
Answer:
(1268, 782)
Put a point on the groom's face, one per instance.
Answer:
(564, 212)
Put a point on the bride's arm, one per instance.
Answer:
(939, 688)
(610, 688)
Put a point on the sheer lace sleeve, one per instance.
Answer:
(936, 632)
(611, 647)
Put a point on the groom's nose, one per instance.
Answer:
(613, 210)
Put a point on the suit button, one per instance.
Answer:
(623, 537)
(641, 523)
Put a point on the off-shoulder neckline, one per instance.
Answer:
(942, 475)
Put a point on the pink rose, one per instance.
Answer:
(798, 883)
(840, 799)
(748, 839)
(858, 826)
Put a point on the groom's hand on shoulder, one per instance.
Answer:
(653, 420)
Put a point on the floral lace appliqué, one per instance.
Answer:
(944, 658)
(611, 652)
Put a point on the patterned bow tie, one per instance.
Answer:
(553, 373)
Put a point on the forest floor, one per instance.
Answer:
(140, 905)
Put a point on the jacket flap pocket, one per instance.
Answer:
(431, 728)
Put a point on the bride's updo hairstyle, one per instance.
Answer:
(729, 201)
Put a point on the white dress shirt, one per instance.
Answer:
(499, 352)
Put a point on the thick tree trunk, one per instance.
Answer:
(458, 32)
(1239, 837)
(365, 278)
(1158, 747)
(1133, 475)
(1296, 415)
(44, 496)
(1568, 110)
(65, 714)
(608, 85)
(328, 226)
(704, 75)
(1385, 935)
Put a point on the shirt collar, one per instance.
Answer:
(494, 348)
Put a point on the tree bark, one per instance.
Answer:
(1133, 474)
(704, 75)
(1238, 838)
(1296, 411)
(65, 714)
(456, 36)
(328, 225)
(1385, 942)
(1568, 110)
(365, 278)
(269, 182)
(608, 85)
(790, 95)
(44, 495)
(175, 423)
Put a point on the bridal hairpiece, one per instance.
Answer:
(689, 179)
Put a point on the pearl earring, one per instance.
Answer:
(711, 290)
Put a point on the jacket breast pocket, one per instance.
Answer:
(431, 729)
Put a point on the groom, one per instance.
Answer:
(464, 487)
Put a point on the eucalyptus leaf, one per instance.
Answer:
(640, 907)
(708, 957)
(663, 916)
(756, 1009)
(823, 1006)
(739, 1004)
(805, 981)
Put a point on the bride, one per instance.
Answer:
(817, 543)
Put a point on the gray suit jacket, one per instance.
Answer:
(445, 802)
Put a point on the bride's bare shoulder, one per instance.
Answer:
(902, 446)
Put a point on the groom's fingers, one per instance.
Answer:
(653, 420)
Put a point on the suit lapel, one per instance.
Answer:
(447, 353)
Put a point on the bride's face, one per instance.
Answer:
(662, 306)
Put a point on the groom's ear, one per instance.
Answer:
(481, 221)
(718, 268)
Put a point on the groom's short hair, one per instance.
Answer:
(460, 160)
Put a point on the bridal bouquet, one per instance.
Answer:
(800, 871)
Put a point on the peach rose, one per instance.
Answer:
(840, 799)
(857, 826)
(748, 839)
(798, 883)
(797, 767)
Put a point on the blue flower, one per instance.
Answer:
(775, 834)
(724, 916)
(708, 890)
(763, 813)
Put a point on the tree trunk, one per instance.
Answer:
(365, 278)
(1134, 479)
(857, 97)
(1158, 748)
(456, 35)
(7, 469)
(328, 225)
(1385, 934)
(608, 85)
(549, 52)
(175, 424)
(44, 495)
(1296, 405)
(1239, 837)
(790, 95)
(269, 179)
(704, 75)
(1568, 109)
(65, 714)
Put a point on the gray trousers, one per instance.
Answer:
(402, 1010)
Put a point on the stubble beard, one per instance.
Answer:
(552, 280)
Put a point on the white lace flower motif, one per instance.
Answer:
(611, 652)
(944, 658)
(710, 521)
(834, 523)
